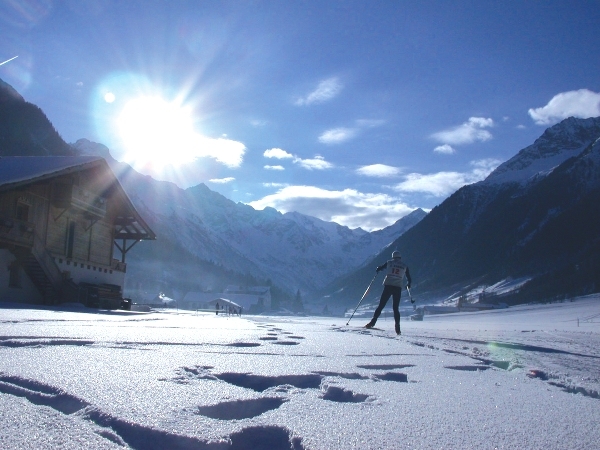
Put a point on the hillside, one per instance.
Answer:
(25, 130)
(535, 216)
(200, 230)
(206, 241)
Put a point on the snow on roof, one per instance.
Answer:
(17, 169)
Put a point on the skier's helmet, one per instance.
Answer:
(396, 254)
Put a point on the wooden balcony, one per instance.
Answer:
(69, 263)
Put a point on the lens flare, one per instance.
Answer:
(154, 129)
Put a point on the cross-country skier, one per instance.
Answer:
(392, 286)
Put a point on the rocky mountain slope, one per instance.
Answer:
(535, 216)
(24, 128)
(292, 250)
(206, 241)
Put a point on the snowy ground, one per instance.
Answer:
(525, 377)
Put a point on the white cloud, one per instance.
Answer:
(370, 123)
(348, 207)
(258, 123)
(378, 170)
(274, 184)
(326, 90)
(444, 149)
(342, 134)
(225, 151)
(222, 180)
(277, 153)
(438, 184)
(442, 184)
(467, 133)
(483, 167)
(317, 163)
(582, 103)
(337, 135)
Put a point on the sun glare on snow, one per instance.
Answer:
(157, 133)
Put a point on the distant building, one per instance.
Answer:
(161, 300)
(430, 309)
(255, 298)
(482, 306)
(61, 218)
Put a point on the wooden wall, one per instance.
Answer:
(35, 197)
(92, 241)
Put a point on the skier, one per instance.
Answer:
(392, 286)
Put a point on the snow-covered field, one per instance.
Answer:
(523, 377)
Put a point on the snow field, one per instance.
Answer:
(525, 377)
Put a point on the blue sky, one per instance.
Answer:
(352, 111)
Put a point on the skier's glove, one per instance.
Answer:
(412, 301)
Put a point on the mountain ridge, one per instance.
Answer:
(205, 241)
(511, 224)
(292, 250)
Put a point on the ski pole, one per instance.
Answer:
(363, 297)
(411, 299)
(409, 294)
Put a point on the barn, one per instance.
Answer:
(66, 225)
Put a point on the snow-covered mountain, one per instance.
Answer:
(205, 240)
(558, 143)
(292, 250)
(535, 216)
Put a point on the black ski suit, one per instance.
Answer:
(392, 286)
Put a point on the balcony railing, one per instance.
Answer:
(115, 264)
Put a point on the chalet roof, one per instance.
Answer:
(17, 171)
(226, 301)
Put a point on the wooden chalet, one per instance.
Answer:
(62, 218)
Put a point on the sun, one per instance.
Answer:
(157, 133)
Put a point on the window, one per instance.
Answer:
(22, 212)
(70, 239)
